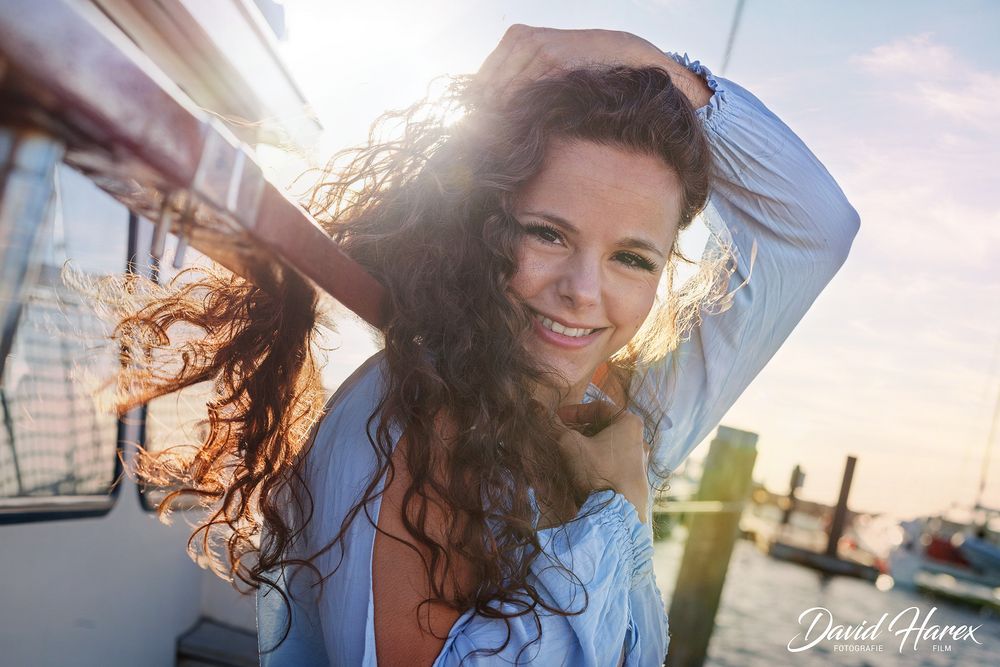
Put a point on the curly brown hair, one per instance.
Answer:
(426, 207)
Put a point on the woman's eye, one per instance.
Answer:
(634, 261)
(544, 232)
(551, 235)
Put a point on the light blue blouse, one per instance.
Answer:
(769, 196)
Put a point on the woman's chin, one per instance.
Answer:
(573, 364)
(571, 380)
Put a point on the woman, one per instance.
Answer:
(534, 387)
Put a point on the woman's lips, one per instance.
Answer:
(560, 340)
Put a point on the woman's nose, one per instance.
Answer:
(580, 283)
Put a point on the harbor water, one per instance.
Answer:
(759, 618)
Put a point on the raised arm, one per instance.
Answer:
(776, 203)
(771, 199)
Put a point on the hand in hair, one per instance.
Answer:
(526, 53)
(606, 449)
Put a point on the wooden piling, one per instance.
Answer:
(840, 513)
(727, 477)
(827, 562)
(793, 486)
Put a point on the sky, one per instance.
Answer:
(898, 361)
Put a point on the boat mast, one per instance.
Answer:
(984, 471)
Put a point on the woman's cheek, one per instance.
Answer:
(640, 312)
(523, 282)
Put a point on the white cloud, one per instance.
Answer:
(921, 71)
(914, 55)
(927, 200)
(972, 98)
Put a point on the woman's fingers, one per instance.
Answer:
(521, 68)
(595, 414)
(525, 54)
(496, 64)
(516, 66)
(616, 457)
(495, 60)
(577, 450)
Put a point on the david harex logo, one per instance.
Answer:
(908, 626)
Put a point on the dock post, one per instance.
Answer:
(727, 477)
(796, 482)
(840, 513)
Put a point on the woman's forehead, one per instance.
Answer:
(599, 185)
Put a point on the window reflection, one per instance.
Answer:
(58, 436)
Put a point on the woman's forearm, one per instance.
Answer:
(778, 210)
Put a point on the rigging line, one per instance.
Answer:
(984, 468)
(989, 447)
(985, 398)
(732, 36)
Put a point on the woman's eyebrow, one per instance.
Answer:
(628, 242)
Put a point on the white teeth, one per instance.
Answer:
(565, 331)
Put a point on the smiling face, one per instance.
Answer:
(599, 223)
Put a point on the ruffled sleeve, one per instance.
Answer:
(774, 204)
(596, 566)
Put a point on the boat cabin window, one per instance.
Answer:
(177, 419)
(58, 437)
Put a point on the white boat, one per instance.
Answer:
(929, 560)
(91, 578)
(981, 553)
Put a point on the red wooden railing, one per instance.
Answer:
(66, 74)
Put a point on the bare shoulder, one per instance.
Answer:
(405, 632)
